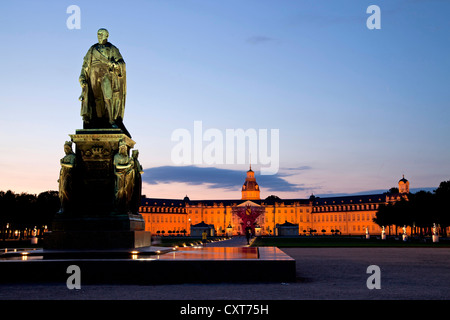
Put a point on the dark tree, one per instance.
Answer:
(393, 190)
(443, 204)
(419, 211)
(272, 199)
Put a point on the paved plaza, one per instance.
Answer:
(322, 274)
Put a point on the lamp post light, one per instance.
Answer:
(404, 235)
(34, 239)
(383, 233)
(229, 230)
(435, 235)
(190, 226)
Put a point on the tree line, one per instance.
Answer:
(418, 210)
(22, 212)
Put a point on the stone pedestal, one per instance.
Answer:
(103, 239)
(94, 214)
(93, 177)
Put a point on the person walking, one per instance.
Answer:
(204, 237)
(248, 234)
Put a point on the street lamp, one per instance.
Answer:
(189, 225)
(229, 230)
(7, 229)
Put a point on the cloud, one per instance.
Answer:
(216, 178)
(260, 40)
(300, 168)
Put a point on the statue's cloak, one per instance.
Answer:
(117, 77)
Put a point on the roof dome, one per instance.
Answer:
(250, 186)
(250, 183)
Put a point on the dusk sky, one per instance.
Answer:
(355, 108)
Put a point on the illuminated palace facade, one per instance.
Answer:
(346, 215)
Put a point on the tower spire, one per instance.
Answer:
(250, 189)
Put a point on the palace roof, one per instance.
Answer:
(316, 201)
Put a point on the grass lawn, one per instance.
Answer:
(337, 241)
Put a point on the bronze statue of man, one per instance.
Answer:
(103, 81)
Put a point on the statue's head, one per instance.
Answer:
(102, 35)
(123, 149)
(68, 147)
(135, 153)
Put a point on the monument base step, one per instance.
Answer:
(96, 239)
